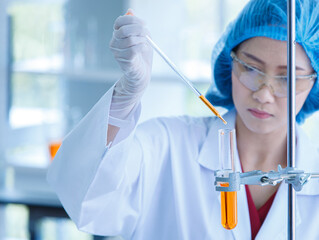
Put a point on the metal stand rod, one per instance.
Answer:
(291, 109)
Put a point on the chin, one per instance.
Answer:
(262, 126)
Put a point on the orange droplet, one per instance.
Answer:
(129, 13)
(53, 148)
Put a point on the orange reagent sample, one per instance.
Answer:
(53, 148)
(229, 209)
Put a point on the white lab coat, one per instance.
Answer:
(156, 181)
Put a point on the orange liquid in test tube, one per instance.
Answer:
(53, 148)
(229, 209)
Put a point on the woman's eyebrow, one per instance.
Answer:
(253, 57)
(262, 62)
(297, 67)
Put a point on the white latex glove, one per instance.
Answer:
(134, 56)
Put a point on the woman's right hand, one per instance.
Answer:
(133, 54)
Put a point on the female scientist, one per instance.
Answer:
(155, 180)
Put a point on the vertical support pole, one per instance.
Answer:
(291, 111)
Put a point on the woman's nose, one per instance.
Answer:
(265, 94)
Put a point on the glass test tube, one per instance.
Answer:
(226, 157)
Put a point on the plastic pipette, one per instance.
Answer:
(173, 66)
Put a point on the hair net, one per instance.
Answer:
(266, 18)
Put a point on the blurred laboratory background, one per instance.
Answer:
(55, 64)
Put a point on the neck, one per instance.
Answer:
(261, 151)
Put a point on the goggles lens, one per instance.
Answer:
(255, 79)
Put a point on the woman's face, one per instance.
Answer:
(261, 111)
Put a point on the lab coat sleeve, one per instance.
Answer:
(98, 186)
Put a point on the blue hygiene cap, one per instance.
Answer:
(266, 18)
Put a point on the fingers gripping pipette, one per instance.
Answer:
(173, 66)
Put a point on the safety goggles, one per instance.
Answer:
(255, 79)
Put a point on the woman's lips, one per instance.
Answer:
(259, 114)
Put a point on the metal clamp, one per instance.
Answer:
(232, 180)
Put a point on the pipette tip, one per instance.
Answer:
(211, 107)
(221, 118)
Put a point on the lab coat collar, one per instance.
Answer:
(275, 224)
(307, 159)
